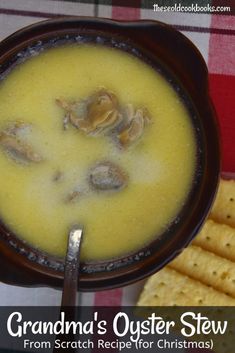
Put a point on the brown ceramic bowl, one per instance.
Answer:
(179, 60)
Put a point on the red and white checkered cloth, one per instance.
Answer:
(213, 34)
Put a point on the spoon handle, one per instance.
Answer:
(70, 287)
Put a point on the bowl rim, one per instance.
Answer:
(151, 34)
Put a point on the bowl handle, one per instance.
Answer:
(177, 51)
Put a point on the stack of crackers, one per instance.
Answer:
(204, 273)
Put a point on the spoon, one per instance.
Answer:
(72, 261)
(70, 286)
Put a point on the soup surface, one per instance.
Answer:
(41, 199)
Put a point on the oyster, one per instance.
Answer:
(107, 176)
(12, 141)
(94, 114)
(17, 149)
(100, 112)
(135, 123)
(102, 109)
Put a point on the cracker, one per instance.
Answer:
(217, 238)
(206, 267)
(223, 210)
(169, 288)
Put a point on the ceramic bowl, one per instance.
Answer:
(167, 50)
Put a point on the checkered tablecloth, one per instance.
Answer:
(212, 33)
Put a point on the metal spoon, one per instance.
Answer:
(72, 261)
(70, 286)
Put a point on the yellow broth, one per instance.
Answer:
(160, 165)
